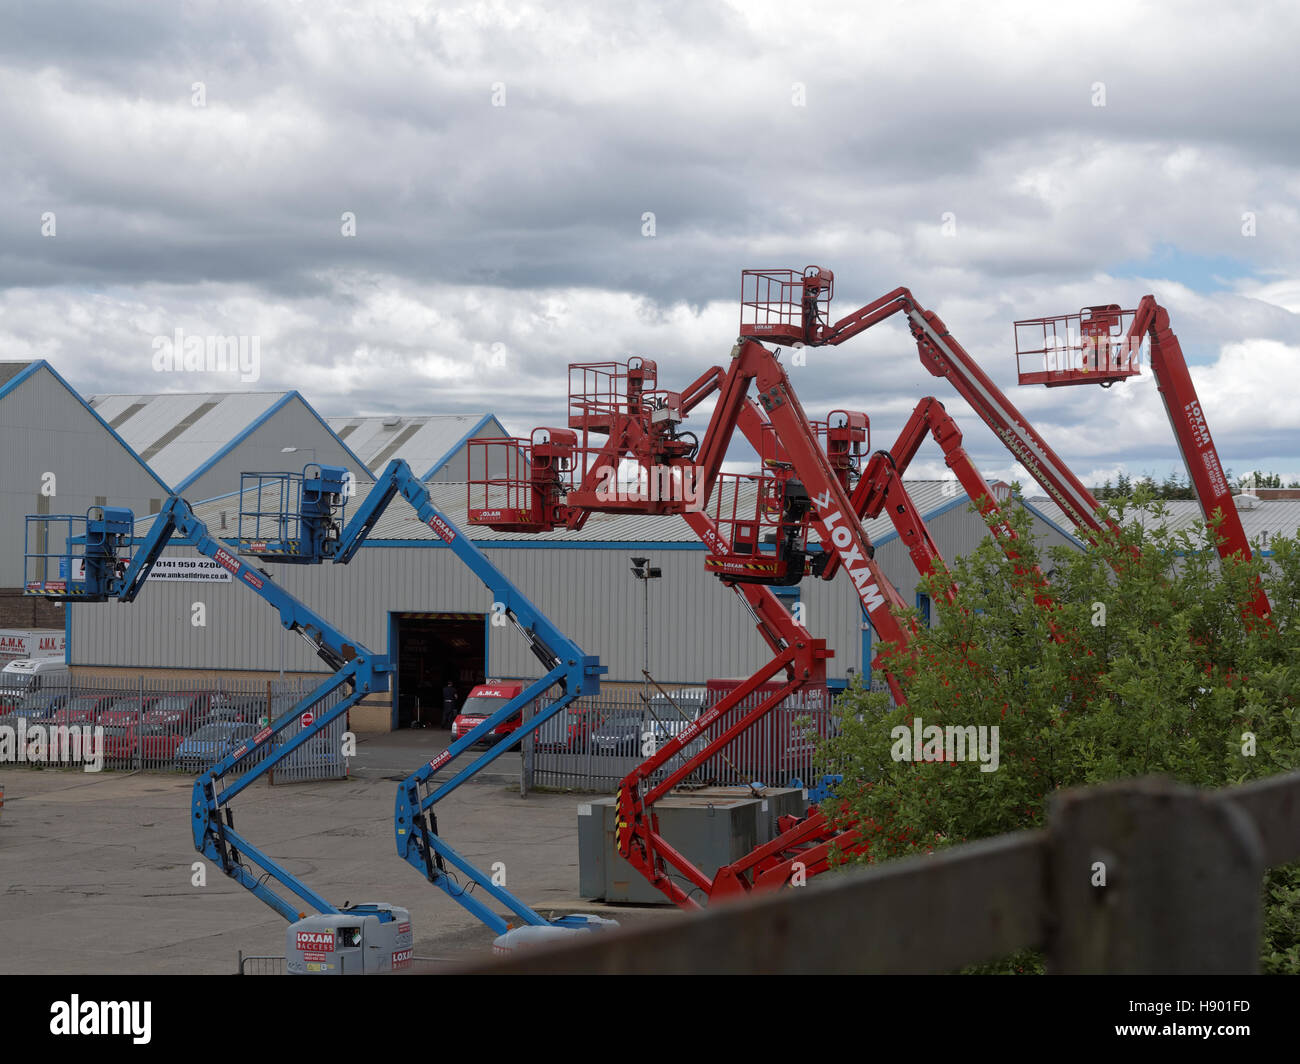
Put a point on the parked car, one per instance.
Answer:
(121, 722)
(239, 709)
(181, 713)
(483, 701)
(667, 716)
(619, 734)
(571, 732)
(38, 708)
(93, 705)
(72, 716)
(40, 705)
(628, 732)
(152, 745)
(211, 743)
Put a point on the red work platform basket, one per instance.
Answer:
(601, 393)
(1090, 347)
(517, 484)
(763, 519)
(845, 438)
(774, 304)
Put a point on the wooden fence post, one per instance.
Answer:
(1148, 876)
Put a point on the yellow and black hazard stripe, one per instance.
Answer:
(728, 565)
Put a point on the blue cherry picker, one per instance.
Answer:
(565, 666)
(96, 565)
(303, 527)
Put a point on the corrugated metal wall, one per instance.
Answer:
(698, 628)
(44, 429)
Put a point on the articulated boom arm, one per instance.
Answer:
(636, 829)
(803, 660)
(1096, 349)
(176, 525)
(796, 443)
(943, 356)
(567, 667)
(550, 646)
(646, 434)
(880, 489)
(357, 673)
(841, 532)
(1183, 407)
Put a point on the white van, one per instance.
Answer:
(25, 675)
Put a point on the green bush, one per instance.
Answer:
(1156, 673)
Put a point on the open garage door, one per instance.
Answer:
(433, 648)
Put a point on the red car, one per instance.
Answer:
(84, 709)
(74, 716)
(121, 722)
(152, 738)
(571, 733)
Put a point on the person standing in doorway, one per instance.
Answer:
(448, 704)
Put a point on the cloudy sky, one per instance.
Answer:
(431, 208)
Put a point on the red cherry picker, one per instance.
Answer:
(793, 313)
(560, 476)
(1091, 347)
(1094, 347)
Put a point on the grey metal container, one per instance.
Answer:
(711, 828)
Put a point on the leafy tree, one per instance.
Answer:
(1259, 480)
(1174, 486)
(1157, 673)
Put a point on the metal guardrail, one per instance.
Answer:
(597, 742)
(1134, 877)
(164, 725)
(261, 965)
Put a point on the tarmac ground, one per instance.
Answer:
(98, 870)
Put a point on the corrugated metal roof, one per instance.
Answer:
(1271, 517)
(423, 440)
(399, 521)
(9, 370)
(177, 433)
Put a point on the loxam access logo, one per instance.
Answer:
(858, 567)
(100, 1018)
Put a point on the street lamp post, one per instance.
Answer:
(643, 571)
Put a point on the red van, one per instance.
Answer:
(483, 701)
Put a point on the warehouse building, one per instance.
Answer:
(57, 456)
(407, 595)
(435, 446)
(200, 442)
(1265, 513)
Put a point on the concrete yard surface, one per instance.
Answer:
(97, 869)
